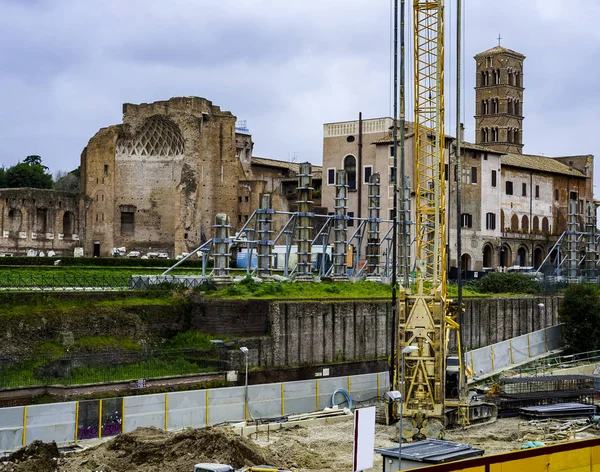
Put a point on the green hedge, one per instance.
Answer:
(98, 262)
(502, 282)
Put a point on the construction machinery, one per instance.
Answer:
(424, 313)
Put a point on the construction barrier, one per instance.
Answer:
(495, 358)
(574, 456)
(71, 422)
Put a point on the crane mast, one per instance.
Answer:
(423, 317)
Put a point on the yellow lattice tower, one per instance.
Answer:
(422, 315)
(429, 143)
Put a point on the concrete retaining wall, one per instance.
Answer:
(78, 421)
(313, 332)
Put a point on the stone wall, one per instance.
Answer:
(296, 333)
(38, 219)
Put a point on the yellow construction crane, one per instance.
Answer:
(424, 313)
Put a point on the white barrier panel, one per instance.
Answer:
(226, 405)
(554, 338)
(59, 421)
(326, 388)
(264, 401)
(51, 422)
(502, 355)
(363, 387)
(187, 409)
(144, 411)
(492, 359)
(300, 397)
(11, 428)
(537, 343)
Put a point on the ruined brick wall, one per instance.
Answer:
(164, 174)
(38, 219)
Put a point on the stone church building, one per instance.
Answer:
(514, 205)
(152, 183)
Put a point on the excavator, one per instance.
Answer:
(425, 315)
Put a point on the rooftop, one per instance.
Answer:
(540, 163)
(499, 50)
(293, 166)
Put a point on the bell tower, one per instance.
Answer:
(499, 100)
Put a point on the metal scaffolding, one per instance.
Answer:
(265, 245)
(591, 271)
(572, 259)
(305, 222)
(221, 245)
(373, 242)
(340, 232)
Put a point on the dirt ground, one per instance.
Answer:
(317, 448)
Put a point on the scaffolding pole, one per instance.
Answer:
(373, 222)
(265, 244)
(340, 232)
(305, 222)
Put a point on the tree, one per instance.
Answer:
(66, 182)
(34, 160)
(580, 314)
(2, 177)
(29, 173)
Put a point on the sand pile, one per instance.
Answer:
(38, 456)
(154, 449)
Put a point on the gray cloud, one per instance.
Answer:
(286, 67)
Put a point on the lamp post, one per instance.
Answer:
(406, 350)
(245, 351)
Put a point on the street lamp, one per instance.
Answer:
(406, 350)
(245, 351)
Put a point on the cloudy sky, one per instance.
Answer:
(66, 66)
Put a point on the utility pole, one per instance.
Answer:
(395, 206)
(462, 378)
(405, 251)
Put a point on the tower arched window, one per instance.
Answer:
(525, 223)
(350, 168)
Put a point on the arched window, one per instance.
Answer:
(522, 257)
(15, 219)
(525, 223)
(68, 223)
(350, 168)
(545, 225)
(502, 221)
(41, 220)
(514, 223)
(505, 256)
(538, 257)
(487, 255)
(465, 262)
(536, 223)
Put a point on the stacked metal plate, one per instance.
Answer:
(559, 410)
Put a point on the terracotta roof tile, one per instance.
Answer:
(540, 163)
(293, 166)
